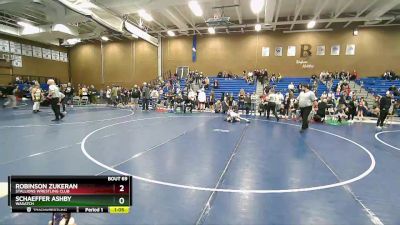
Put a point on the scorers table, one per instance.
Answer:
(70, 194)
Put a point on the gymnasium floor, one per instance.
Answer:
(196, 168)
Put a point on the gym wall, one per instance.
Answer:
(36, 66)
(124, 62)
(377, 49)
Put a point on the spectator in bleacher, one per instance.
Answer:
(206, 83)
(279, 77)
(354, 75)
(306, 99)
(291, 87)
(384, 106)
(394, 90)
(360, 109)
(329, 84)
(216, 84)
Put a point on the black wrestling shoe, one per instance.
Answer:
(56, 120)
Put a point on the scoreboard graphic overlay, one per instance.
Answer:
(73, 194)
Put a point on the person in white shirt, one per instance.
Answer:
(55, 99)
(202, 100)
(272, 99)
(154, 98)
(291, 86)
(306, 99)
(234, 117)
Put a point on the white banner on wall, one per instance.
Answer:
(37, 52)
(16, 60)
(46, 53)
(278, 51)
(63, 57)
(55, 55)
(335, 50)
(265, 51)
(321, 50)
(291, 50)
(15, 48)
(4, 46)
(26, 50)
(351, 49)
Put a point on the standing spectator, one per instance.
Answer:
(272, 104)
(154, 98)
(108, 95)
(135, 95)
(384, 106)
(69, 94)
(145, 97)
(202, 100)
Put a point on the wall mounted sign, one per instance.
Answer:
(16, 60)
(15, 48)
(335, 50)
(320, 50)
(46, 53)
(304, 64)
(26, 50)
(291, 50)
(265, 51)
(351, 49)
(4, 46)
(37, 52)
(278, 51)
(55, 55)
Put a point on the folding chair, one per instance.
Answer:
(84, 100)
(76, 100)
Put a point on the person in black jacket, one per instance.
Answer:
(9, 91)
(384, 106)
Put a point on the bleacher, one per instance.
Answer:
(375, 85)
(282, 85)
(226, 86)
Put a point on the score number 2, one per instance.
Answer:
(121, 200)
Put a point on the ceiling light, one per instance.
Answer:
(73, 41)
(104, 38)
(355, 32)
(171, 33)
(311, 24)
(256, 6)
(144, 15)
(195, 7)
(211, 30)
(24, 24)
(257, 27)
